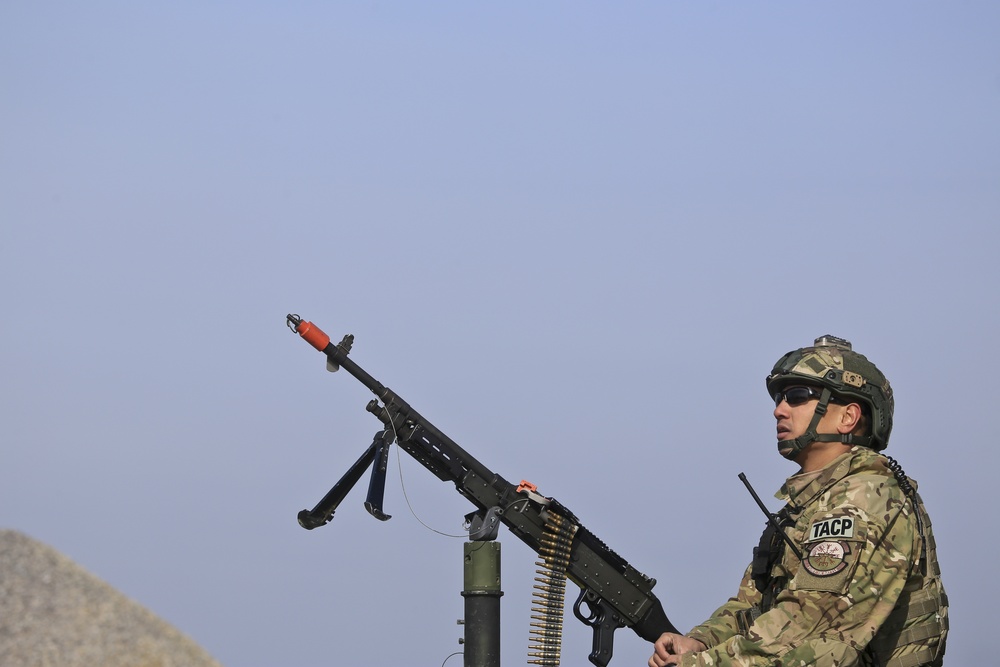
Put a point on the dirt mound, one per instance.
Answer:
(53, 613)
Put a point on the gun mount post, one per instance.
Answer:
(482, 604)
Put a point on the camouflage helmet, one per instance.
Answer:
(831, 363)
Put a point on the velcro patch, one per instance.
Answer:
(840, 528)
(826, 559)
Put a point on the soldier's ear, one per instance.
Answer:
(850, 417)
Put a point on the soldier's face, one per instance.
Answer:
(795, 409)
(793, 420)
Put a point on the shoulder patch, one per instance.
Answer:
(840, 528)
(826, 559)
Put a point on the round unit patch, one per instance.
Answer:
(826, 559)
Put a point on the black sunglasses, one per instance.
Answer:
(799, 394)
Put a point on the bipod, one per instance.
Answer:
(377, 456)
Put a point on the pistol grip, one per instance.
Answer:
(601, 618)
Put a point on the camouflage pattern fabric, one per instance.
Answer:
(860, 594)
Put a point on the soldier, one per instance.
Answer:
(846, 573)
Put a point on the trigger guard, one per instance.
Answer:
(593, 615)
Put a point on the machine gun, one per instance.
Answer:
(613, 594)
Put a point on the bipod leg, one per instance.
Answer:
(376, 486)
(323, 512)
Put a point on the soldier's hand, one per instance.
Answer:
(667, 650)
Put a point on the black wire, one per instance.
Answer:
(911, 493)
(901, 478)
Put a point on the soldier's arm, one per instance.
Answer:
(723, 622)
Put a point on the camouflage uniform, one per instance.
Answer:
(867, 590)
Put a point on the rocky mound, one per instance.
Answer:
(53, 613)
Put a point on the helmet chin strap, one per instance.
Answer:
(791, 448)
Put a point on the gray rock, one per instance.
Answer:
(53, 613)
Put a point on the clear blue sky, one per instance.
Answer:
(574, 235)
